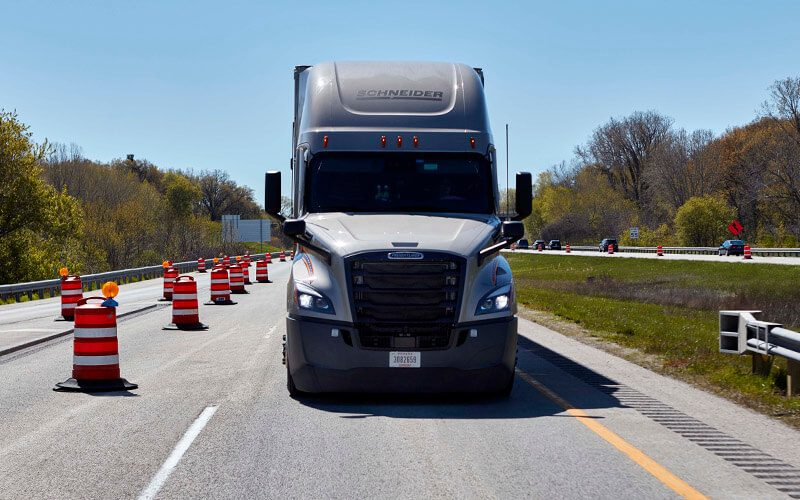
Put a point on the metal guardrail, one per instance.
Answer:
(743, 332)
(764, 252)
(94, 281)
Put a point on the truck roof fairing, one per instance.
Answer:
(354, 104)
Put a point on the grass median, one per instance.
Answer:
(668, 310)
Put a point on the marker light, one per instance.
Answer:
(216, 260)
(165, 264)
(63, 272)
(110, 289)
(399, 141)
(238, 258)
(383, 141)
(416, 141)
(325, 142)
(472, 142)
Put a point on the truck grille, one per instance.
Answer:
(405, 304)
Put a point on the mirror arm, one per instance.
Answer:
(486, 252)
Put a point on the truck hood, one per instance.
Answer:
(345, 234)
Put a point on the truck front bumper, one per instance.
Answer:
(321, 362)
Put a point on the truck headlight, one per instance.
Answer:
(498, 300)
(307, 298)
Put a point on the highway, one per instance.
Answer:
(212, 419)
(737, 259)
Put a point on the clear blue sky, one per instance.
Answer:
(204, 85)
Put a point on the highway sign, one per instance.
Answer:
(634, 233)
(735, 228)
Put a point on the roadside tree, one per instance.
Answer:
(702, 221)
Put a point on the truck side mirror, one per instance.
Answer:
(294, 227)
(513, 230)
(272, 193)
(524, 195)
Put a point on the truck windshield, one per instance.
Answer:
(403, 182)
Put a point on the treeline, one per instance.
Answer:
(679, 187)
(58, 208)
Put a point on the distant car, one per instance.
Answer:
(554, 245)
(608, 242)
(732, 247)
(537, 243)
(522, 244)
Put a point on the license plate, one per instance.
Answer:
(404, 359)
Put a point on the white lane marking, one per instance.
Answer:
(270, 332)
(169, 465)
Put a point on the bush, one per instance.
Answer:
(703, 221)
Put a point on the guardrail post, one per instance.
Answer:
(793, 378)
(762, 364)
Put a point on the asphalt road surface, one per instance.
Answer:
(733, 259)
(212, 419)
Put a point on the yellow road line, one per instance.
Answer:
(675, 483)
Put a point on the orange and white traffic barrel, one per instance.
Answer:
(283, 256)
(170, 273)
(185, 311)
(95, 360)
(246, 273)
(568, 249)
(747, 252)
(220, 287)
(226, 260)
(237, 280)
(660, 251)
(610, 249)
(201, 265)
(269, 257)
(262, 271)
(246, 257)
(71, 293)
(291, 255)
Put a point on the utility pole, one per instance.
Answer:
(507, 194)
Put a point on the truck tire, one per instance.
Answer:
(293, 391)
(506, 391)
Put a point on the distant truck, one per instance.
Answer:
(397, 283)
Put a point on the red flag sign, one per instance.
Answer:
(735, 228)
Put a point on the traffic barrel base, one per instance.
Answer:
(73, 385)
(186, 326)
(223, 302)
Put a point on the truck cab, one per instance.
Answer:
(397, 283)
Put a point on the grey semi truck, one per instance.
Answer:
(397, 282)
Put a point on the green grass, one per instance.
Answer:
(256, 247)
(670, 309)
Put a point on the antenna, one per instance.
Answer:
(507, 194)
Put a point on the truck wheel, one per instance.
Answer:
(506, 391)
(293, 391)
